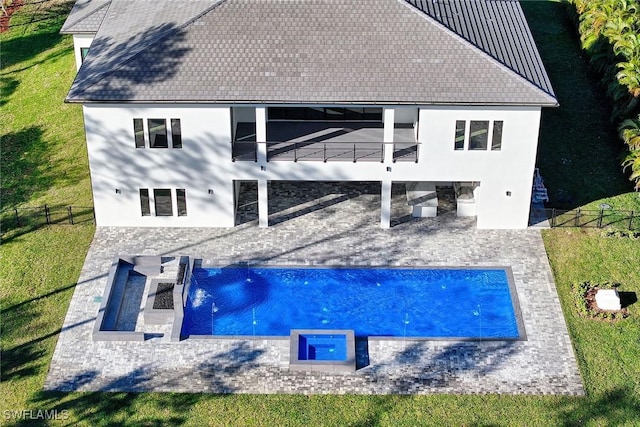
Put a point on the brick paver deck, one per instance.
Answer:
(339, 229)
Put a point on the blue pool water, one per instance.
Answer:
(322, 347)
(397, 302)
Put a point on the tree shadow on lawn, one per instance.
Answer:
(30, 356)
(618, 406)
(27, 167)
(8, 86)
(117, 408)
(33, 32)
(579, 149)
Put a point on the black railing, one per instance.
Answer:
(38, 216)
(590, 218)
(325, 151)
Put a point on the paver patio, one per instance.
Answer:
(334, 227)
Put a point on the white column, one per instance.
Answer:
(388, 118)
(261, 135)
(263, 203)
(385, 205)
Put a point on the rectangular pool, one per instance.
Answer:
(391, 302)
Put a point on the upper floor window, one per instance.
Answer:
(459, 141)
(478, 135)
(337, 114)
(157, 133)
(83, 53)
(496, 139)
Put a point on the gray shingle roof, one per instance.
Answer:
(498, 28)
(85, 17)
(301, 51)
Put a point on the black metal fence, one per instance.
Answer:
(38, 216)
(603, 218)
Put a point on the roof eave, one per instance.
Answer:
(553, 104)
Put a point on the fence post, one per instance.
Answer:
(553, 217)
(600, 218)
(295, 151)
(354, 152)
(70, 215)
(631, 221)
(577, 220)
(324, 151)
(17, 217)
(46, 215)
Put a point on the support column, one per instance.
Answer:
(385, 205)
(263, 203)
(389, 127)
(261, 136)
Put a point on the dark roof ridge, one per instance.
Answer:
(411, 3)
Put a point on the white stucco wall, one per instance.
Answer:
(205, 163)
(510, 169)
(80, 41)
(406, 115)
(115, 163)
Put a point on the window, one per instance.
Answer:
(176, 134)
(315, 113)
(83, 53)
(496, 138)
(327, 114)
(158, 133)
(162, 200)
(144, 202)
(478, 138)
(181, 196)
(138, 131)
(478, 135)
(459, 141)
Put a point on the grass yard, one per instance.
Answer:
(44, 161)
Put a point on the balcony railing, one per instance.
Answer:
(326, 151)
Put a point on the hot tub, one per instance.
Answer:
(322, 350)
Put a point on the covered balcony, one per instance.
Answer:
(325, 140)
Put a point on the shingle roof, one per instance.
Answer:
(300, 51)
(85, 17)
(498, 28)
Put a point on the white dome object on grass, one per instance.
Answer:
(608, 299)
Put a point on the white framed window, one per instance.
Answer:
(164, 201)
(478, 135)
(155, 133)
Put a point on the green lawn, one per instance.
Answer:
(44, 161)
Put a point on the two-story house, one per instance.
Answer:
(185, 100)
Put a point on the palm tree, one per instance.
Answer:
(630, 133)
(632, 161)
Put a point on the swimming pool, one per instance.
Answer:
(391, 302)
